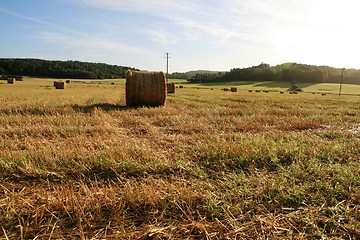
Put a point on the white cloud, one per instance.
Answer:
(187, 18)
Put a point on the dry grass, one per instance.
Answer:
(78, 164)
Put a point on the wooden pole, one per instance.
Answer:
(341, 81)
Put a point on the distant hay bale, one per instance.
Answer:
(250, 91)
(68, 81)
(170, 87)
(323, 94)
(112, 83)
(11, 81)
(145, 88)
(181, 86)
(233, 89)
(281, 92)
(257, 91)
(59, 85)
(226, 89)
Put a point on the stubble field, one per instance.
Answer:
(78, 164)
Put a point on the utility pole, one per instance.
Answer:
(167, 65)
(341, 80)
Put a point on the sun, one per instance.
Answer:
(324, 35)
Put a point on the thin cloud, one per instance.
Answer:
(160, 36)
(70, 37)
(41, 22)
(146, 6)
(203, 18)
(86, 43)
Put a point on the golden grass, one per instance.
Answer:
(209, 165)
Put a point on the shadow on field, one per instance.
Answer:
(273, 84)
(107, 107)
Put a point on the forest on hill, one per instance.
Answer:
(287, 72)
(60, 69)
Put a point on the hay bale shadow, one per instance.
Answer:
(107, 107)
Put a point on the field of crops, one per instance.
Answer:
(78, 164)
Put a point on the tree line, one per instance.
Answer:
(60, 69)
(288, 72)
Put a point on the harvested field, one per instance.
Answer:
(79, 164)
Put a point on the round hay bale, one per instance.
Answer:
(170, 87)
(250, 91)
(226, 89)
(233, 89)
(145, 88)
(68, 81)
(181, 86)
(59, 85)
(11, 81)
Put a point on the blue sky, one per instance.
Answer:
(200, 34)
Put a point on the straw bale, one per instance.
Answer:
(233, 89)
(170, 87)
(145, 88)
(59, 85)
(11, 81)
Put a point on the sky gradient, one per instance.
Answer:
(199, 34)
